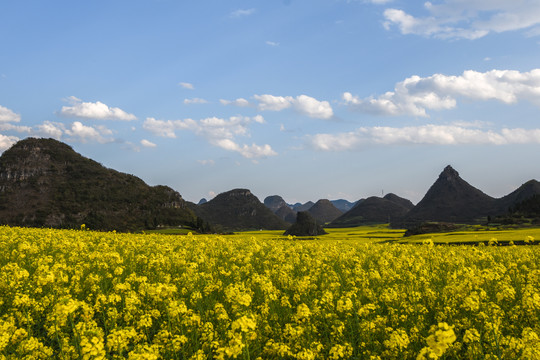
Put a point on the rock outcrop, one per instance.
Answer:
(305, 225)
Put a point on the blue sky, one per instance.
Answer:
(303, 99)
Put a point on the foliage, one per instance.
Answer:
(43, 182)
(305, 225)
(88, 295)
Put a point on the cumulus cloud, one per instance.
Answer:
(240, 102)
(424, 135)
(164, 128)
(7, 141)
(304, 104)
(97, 110)
(415, 95)
(187, 85)
(195, 101)
(217, 131)
(274, 103)
(250, 152)
(470, 19)
(147, 143)
(7, 115)
(83, 133)
(50, 130)
(16, 128)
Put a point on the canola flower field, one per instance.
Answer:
(88, 295)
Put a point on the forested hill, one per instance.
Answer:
(45, 183)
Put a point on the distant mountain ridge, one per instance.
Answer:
(343, 205)
(324, 211)
(452, 199)
(44, 182)
(239, 209)
(374, 210)
(274, 202)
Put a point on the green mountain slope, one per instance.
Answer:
(44, 182)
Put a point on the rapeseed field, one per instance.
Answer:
(91, 295)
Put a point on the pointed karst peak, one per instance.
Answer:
(449, 173)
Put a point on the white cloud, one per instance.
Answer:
(147, 143)
(258, 119)
(17, 128)
(160, 127)
(7, 141)
(217, 131)
(187, 85)
(424, 135)
(84, 133)
(206, 162)
(470, 19)
(195, 101)
(50, 130)
(274, 103)
(304, 104)
(240, 102)
(242, 12)
(7, 115)
(250, 152)
(272, 43)
(313, 107)
(415, 95)
(97, 110)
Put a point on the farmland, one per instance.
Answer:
(347, 295)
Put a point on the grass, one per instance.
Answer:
(515, 235)
(366, 234)
(170, 231)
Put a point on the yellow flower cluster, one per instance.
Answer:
(90, 295)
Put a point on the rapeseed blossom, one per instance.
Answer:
(90, 295)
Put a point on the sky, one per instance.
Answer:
(306, 99)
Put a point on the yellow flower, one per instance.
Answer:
(244, 324)
(440, 338)
(92, 348)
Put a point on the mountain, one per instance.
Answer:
(399, 200)
(374, 210)
(524, 192)
(305, 225)
(239, 209)
(324, 211)
(343, 205)
(45, 183)
(302, 207)
(286, 213)
(274, 202)
(452, 199)
(279, 207)
(202, 201)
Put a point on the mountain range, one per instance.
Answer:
(45, 183)
(452, 199)
(239, 209)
